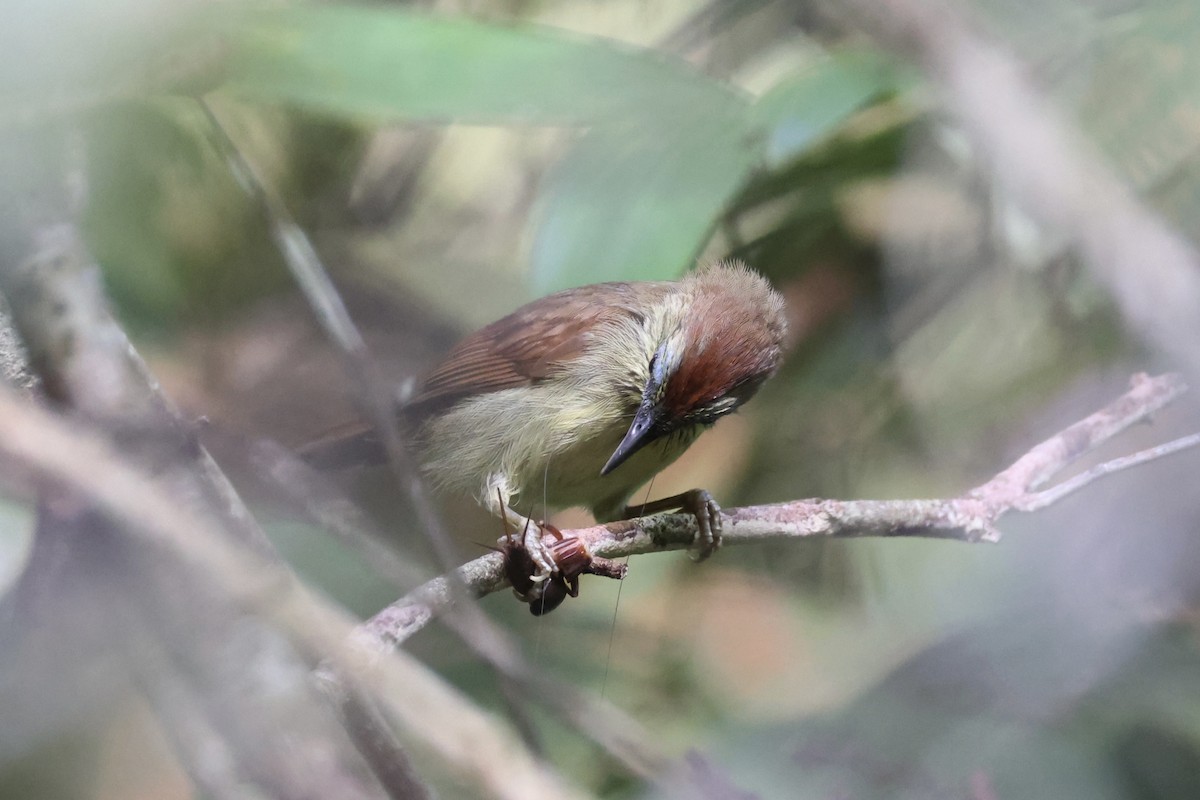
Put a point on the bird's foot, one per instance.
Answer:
(544, 565)
(704, 508)
(533, 535)
(700, 504)
(528, 537)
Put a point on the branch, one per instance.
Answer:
(971, 517)
(217, 659)
(86, 363)
(368, 728)
(206, 754)
(14, 360)
(447, 725)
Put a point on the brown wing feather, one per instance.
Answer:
(528, 345)
(521, 349)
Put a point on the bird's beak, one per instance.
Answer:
(644, 430)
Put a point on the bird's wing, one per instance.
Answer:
(529, 345)
(525, 347)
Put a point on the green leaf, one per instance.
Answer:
(638, 203)
(807, 107)
(633, 203)
(384, 61)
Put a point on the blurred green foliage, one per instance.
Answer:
(636, 196)
(662, 148)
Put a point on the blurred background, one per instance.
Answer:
(452, 160)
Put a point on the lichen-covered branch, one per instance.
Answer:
(14, 360)
(971, 517)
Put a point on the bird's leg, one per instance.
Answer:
(697, 502)
(529, 531)
(568, 556)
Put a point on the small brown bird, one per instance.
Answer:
(581, 397)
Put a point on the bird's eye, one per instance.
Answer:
(658, 365)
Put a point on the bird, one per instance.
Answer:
(580, 397)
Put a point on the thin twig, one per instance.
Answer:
(971, 517)
(1074, 484)
(86, 362)
(368, 728)
(314, 281)
(86, 365)
(1032, 470)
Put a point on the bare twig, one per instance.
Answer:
(314, 281)
(88, 367)
(1032, 470)
(1074, 484)
(86, 363)
(971, 517)
(367, 726)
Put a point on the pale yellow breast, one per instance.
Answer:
(582, 485)
(547, 443)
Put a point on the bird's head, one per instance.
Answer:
(722, 342)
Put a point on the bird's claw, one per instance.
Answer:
(539, 552)
(700, 504)
(544, 575)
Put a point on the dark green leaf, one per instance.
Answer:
(805, 108)
(391, 62)
(635, 203)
